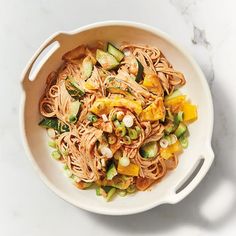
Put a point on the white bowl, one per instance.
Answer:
(176, 184)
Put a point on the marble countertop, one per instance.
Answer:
(207, 29)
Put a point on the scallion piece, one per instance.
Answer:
(132, 133)
(122, 193)
(138, 130)
(127, 140)
(92, 118)
(120, 131)
(56, 155)
(52, 144)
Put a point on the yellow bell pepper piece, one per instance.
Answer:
(190, 112)
(175, 101)
(152, 82)
(130, 170)
(176, 147)
(153, 112)
(127, 103)
(101, 106)
(168, 152)
(105, 105)
(89, 85)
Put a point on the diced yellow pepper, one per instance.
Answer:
(105, 105)
(175, 101)
(190, 112)
(168, 152)
(153, 112)
(101, 106)
(89, 85)
(130, 170)
(152, 82)
(176, 147)
(127, 103)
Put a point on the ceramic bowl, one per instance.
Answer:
(177, 184)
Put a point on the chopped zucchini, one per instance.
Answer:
(149, 150)
(98, 191)
(106, 60)
(87, 67)
(111, 172)
(73, 88)
(178, 117)
(119, 55)
(119, 91)
(110, 194)
(49, 123)
(183, 141)
(54, 124)
(181, 129)
(73, 111)
(139, 76)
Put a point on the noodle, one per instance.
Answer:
(81, 143)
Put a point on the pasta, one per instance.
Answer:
(116, 118)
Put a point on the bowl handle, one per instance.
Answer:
(183, 189)
(26, 73)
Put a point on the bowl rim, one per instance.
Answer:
(99, 210)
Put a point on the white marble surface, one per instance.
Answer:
(207, 28)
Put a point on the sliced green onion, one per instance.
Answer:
(132, 134)
(127, 140)
(184, 141)
(138, 130)
(67, 171)
(52, 144)
(122, 193)
(128, 121)
(120, 131)
(110, 194)
(56, 155)
(164, 143)
(51, 133)
(72, 119)
(92, 118)
(131, 189)
(116, 123)
(124, 161)
(173, 139)
(111, 139)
